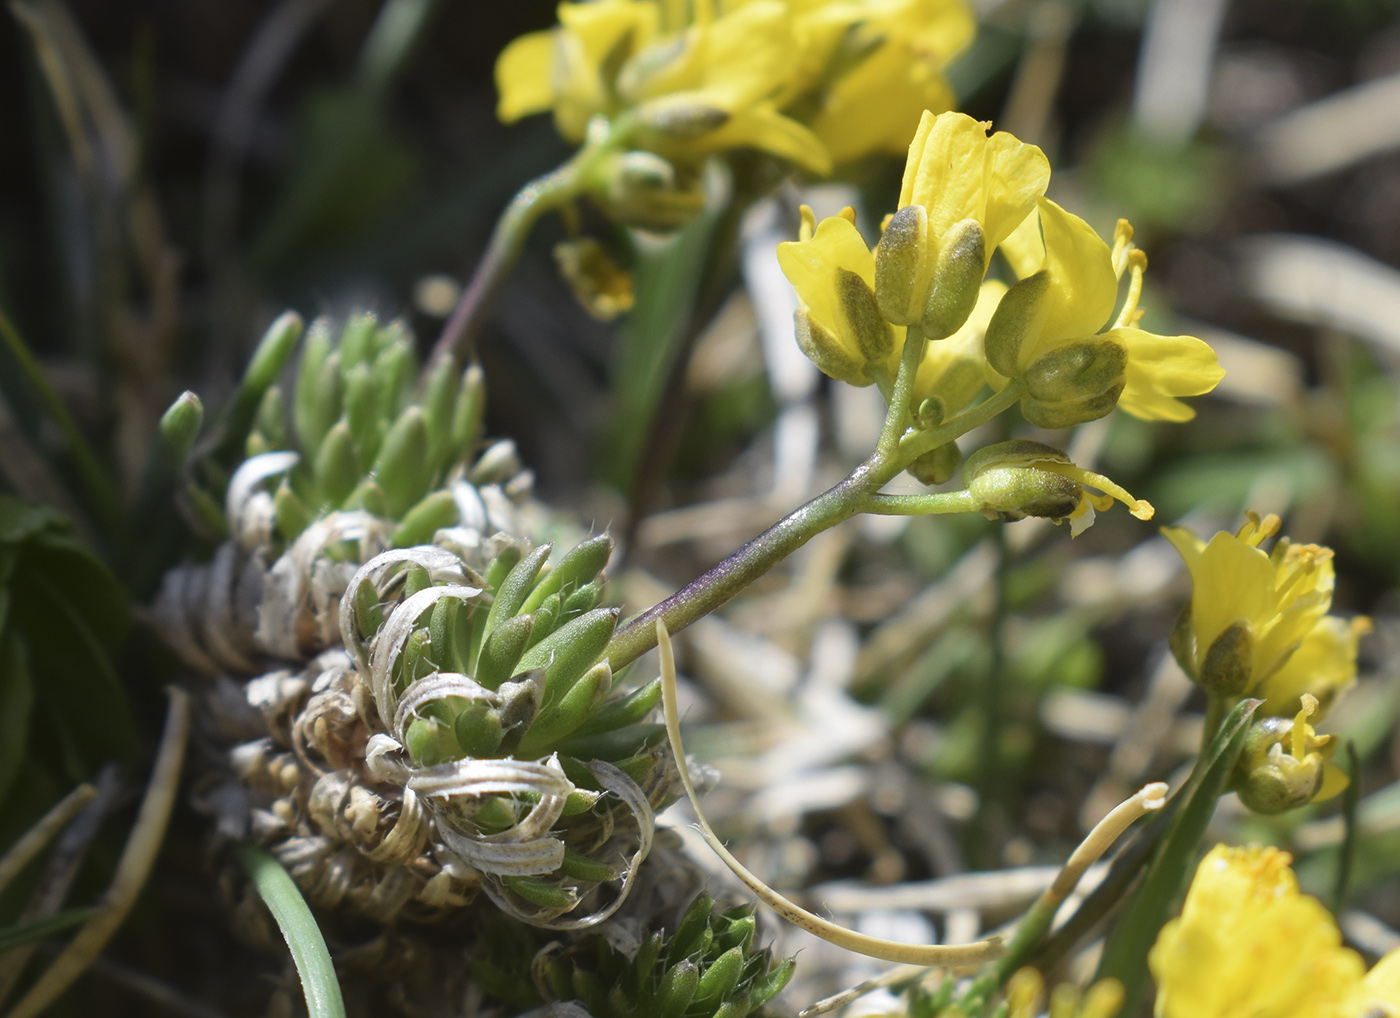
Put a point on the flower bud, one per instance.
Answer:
(602, 286)
(825, 351)
(1284, 764)
(1021, 478)
(679, 117)
(957, 280)
(1018, 316)
(901, 277)
(1006, 481)
(937, 465)
(873, 334)
(1228, 665)
(642, 189)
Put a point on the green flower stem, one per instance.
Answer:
(858, 493)
(909, 361)
(101, 489)
(298, 926)
(918, 505)
(551, 191)
(915, 443)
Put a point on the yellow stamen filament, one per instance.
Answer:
(1137, 263)
(1141, 509)
(1256, 530)
(1301, 729)
(1122, 241)
(809, 223)
(860, 943)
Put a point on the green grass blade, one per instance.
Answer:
(1125, 953)
(298, 925)
(22, 933)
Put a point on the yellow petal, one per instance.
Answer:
(954, 369)
(1023, 248)
(1161, 368)
(1083, 288)
(1247, 943)
(876, 106)
(1334, 783)
(525, 76)
(759, 126)
(1324, 666)
(956, 172)
(812, 267)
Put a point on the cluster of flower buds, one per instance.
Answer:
(1257, 626)
(418, 699)
(708, 968)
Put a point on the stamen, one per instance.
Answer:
(1137, 262)
(1139, 508)
(848, 214)
(1256, 530)
(1301, 728)
(809, 223)
(1122, 241)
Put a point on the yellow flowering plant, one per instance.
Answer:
(1248, 942)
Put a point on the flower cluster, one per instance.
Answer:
(966, 194)
(1248, 943)
(1257, 625)
(813, 82)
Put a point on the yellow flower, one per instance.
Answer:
(962, 195)
(1286, 764)
(706, 87)
(1248, 943)
(875, 105)
(564, 69)
(1249, 610)
(1324, 666)
(1053, 330)
(838, 326)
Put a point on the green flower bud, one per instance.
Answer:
(678, 117)
(642, 189)
(1227, 669)
(1055, 416)
(1077, 371)
(1182, 641)
(957, 280)
(1284, 764)
(825, 351)
(873, 334)
(1022, 478)
(1019, 314)
(1006, 480)
(901, 283)
(937, 465)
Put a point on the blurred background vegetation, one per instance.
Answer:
(175, 174)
